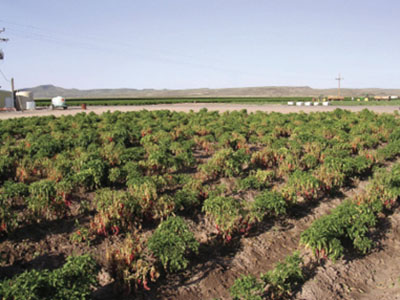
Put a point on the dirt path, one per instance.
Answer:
(186, 107)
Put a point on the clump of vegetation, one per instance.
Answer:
(285, 277)
(227, 213)
(74, 280)
(247, 288)
(268, 203)
(170, 243)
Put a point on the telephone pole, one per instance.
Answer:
(1, 51)
(1, 58)
(339, 78)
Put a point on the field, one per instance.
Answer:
(200, 205)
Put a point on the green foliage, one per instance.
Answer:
(384, 187)
(43, 146)
(259, 179)
(227, 213)
(268, 203)
(10, 192)
(303, 184)
(15, 189)
(92, 174)
(73, 281)
(347, 221)
(277, 283)
(6, 167)
(186, 199)
(171, 241)
(247, 288)
(43, 199)
(390, 151)
(116, 210)
(225, 162)
(285, 277)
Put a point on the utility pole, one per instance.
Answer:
(339, 78)
(1, 58)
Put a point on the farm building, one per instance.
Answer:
(5, 99)
(23, 101)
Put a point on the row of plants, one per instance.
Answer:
(345, 228)
(352, 220)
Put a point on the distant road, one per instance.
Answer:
(196, 107)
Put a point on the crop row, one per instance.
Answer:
(345, 228)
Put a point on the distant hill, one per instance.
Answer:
(47, 91)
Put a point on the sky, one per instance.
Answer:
(180, 44)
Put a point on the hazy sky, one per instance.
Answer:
(204, 43)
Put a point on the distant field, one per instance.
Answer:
(254, 100)
(147, 101)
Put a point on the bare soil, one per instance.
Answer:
(186, 107)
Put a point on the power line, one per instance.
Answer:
(4, 76)
(97, 43)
